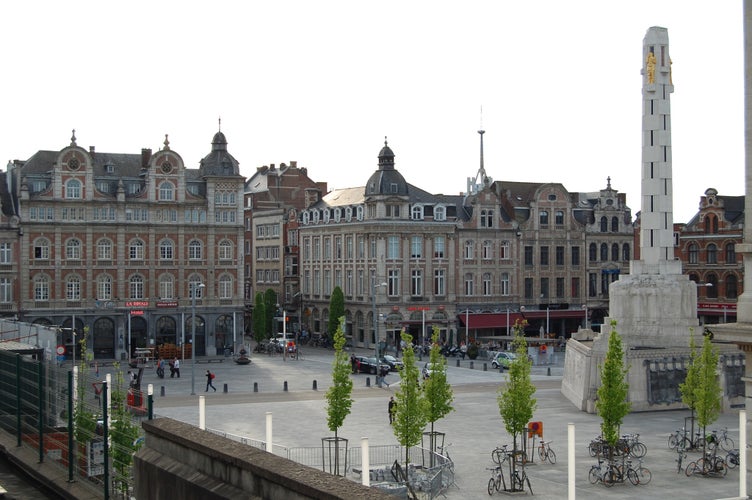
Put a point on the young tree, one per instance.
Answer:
(612, 405)
(516, 401)
(270, 309)
(436, 390)
(339, 396)
(259, 319)
(336, 309)
(409, 412)
(708, 391)
(687, 388)
(124, 434)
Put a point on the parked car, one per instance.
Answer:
(503, 359)
(370, 365)
(429, 368)
(394, 363)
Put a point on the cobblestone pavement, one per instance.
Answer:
(474, 428)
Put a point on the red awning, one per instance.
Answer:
(499, 320)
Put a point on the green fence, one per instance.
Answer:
(64, 416)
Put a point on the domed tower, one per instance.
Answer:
(219, 161)
(386, 180)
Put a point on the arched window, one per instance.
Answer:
(73, 189)
(604, 252)
(614, 224)
(604, 224)
(543, 218)
(712, 286)
(732, 291)
(693, 253)
(166, 250)
(469, 284)
(104, 287)
(416, 212)
(487, 288)
(469, 250)
(730, 253)
(104, 249)
(615, 252)
(712, 253)
(195, 250)
(225, 250)
(136, 250)
(504, 284)
(73, 288)
(73, 249)
(136, 287)
(41, 288)
(166, 191)
(625, 251)
(487, 250)
(166, 286)
(439, 212)
(225, 287)
(42, 249)
(593, 252)
(194, 288)
(559, 218)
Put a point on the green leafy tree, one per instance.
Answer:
(708, 391)
(339, 396)
(436, 390)
(336, 310)
(612, 405)
(691, 381)
(259, 319)
(409, 411)
(515, 400)
(124, 434)
(270, 309)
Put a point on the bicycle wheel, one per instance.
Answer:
(727, 444)
(673, 441)
(644, 475)
(491, 486)
(633, 477)
(719, 466)
(593, 474)
(593, 448)
(551, 456)
(638, 450)
(609, 477)
(732, 460)
(692, 468)
(542, 453)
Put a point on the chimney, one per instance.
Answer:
(145, 157)
(91, 149)
(293, 164)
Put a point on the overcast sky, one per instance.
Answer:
(322, 82)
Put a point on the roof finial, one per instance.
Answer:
(73, 138)
(220, 124)
(608, 182)
(385, 142)
(166, 143)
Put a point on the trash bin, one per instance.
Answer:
(227, 352)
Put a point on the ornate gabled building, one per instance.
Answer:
(707, 249)
(470, 264)
(115, 243)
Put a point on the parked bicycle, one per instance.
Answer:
(499, 455)
(497, 482)
(638, 475)
(682, 437)
(720, 438)
(546, 453)
(709, 464)
(635, 448)
(519, 479)
(606, 473)
(732, 458)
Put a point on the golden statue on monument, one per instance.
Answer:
(651, 67)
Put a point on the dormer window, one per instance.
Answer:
(393, 187)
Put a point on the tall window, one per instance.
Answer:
(104, 287)
(575, 256)
(6, 291)
(6, 253)
(693, 253)
(604, 252)
(712, 252)
(439, 213)
(487, 250)
(166, 250)
(487, 287)
(559, 218)
(559, 288)
(732, 291)
(528, 288)
(504, 284)
(528, 256)
(416, 283)
(543, 218)
(439, 282)
(225, 287)
(614, 224)
(712, 288)
(544, 292)
(73, 249)
(559, 256)
(544, 256)
(615, 252)
(730, 253)
(136, 250)
(166, 287)
(593, 252)
(592, 284)
(504, 250)
(626, 254)
(393, 282)
(575, 292)
(225, 250)
(166, 191)
(469, 285)
(41, 288)
(195, 250)
(136, 287)
(469, 250)
(392, 248)
(416, 247)
(438, 247)
(104, 249)
(604, 224)
(73, 289)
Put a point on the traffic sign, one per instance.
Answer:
(60, 350)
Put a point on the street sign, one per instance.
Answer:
(60, 350)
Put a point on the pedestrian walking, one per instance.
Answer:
(390, 409)
(175, 367)
(209, 379)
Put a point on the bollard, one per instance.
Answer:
(315, 386)
(255, 387)
(472, 364)
(485, 367)
(285, 386)
(458, 362)
(368, 381)
(225, 389)
(162, 391)
(549, 371)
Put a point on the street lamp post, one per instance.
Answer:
(194, 288)
(375, 331)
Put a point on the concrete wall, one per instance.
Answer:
(182, 461)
